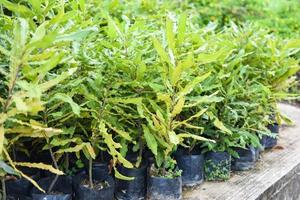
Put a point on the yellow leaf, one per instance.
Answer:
(22, 174)
(196, 137)
(76, 148)
(221, 126)
(178, 107)
(118, 175)
(174, 139)
(40, 166)
(125, 162)
(122, 133)
(90, 150)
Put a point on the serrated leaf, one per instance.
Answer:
(40, 166)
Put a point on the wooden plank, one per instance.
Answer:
(272, 171)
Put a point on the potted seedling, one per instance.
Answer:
(163, 131)
(24, 93)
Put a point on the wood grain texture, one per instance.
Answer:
(275, 176)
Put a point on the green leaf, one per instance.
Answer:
(161, 51)
(190, 86)
(67, 99)
(181, 28)
(17, 8)
(292, 44)
(49, 84)
(75, 36)
(7, 168)
(150, 140)
(170, 34)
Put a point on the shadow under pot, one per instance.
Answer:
(269, 142)
(101, 190)
(162, 188)
(62, 189)
(133, 189)
(217, 166)
(20, 187)
(246, 160)
(192, 167)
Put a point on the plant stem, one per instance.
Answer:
(56, 176)
(3, 188)
(91, 172)
(141, 146)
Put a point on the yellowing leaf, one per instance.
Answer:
(178, 107)
(196, 137)
(22, 174)
(122, 133)
(122, 177)
(174, 139)
(40, 166)
(90, 149)
(221, 126)
(20, 104)
(125, 162)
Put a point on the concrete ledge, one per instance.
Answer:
(276, 175)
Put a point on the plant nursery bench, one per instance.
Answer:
(276, 175)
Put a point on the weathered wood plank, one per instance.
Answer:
(275, 176)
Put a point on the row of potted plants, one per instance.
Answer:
(80, 88)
